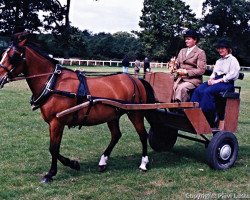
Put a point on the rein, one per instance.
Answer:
(23, 77)
(18, 78)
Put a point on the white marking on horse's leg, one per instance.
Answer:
(103, 160)
(144, 162)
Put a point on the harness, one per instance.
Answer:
(82, 94)
(49, 89)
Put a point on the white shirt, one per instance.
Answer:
(189, 50)
(229, 66)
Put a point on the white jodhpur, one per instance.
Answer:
(144, 162)
(103, 161)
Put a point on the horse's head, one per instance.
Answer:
(13, 60)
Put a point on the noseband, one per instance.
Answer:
(5, 68)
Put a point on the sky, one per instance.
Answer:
(111, 16)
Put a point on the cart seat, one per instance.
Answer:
(230, 95)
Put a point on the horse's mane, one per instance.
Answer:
(41, 52)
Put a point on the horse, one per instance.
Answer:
(55, 88)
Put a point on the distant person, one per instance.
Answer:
(146, 67)
(190, 66)
(137, 67)
(226, 71)
(125, 64)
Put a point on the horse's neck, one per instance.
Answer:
(37, 65)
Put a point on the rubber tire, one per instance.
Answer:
(219, 139)
(162, 140)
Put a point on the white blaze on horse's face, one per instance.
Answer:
(3, 71)
(4, 68)
(3, 62)
(4, 55)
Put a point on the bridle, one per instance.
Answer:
(4, 56)
(15, 60)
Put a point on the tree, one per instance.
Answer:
(163, 21)
(228, 19)
(62, 31)
(113, 46)
(18, 15)
(77, 46)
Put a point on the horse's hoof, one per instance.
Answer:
(102, 168)
(75, 165)
(46, 180)
(143, 170)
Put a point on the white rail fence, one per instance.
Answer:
(104, 63)
(79, 62)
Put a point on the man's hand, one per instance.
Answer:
(182, 72)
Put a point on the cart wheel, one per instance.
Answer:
(222, 151)
(162, 139)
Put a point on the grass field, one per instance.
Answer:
(179, 174)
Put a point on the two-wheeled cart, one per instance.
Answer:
(222, 148)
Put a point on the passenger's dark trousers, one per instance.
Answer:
(205, 94)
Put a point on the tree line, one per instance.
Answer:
(162, 23)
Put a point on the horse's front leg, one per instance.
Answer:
(56, 131)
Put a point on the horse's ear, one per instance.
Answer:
(21, 38)
(22, 35)
(22, 43)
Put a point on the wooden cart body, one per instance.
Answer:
(193, 120)
(222, 148)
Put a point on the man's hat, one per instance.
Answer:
(191, 33)
(223, 43)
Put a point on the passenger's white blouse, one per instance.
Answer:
(229, 66)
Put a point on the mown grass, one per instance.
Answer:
(179, 174)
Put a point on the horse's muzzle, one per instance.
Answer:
(3, 80)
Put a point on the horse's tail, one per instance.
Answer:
(149, 91)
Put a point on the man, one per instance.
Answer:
(137, 67)
(190, 66)
(146, 67)
(125, 64)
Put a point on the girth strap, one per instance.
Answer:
(83, 90)
(82, 94)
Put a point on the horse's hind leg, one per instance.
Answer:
(137, 119)
(115, 136)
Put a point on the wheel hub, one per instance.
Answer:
(225, 152)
